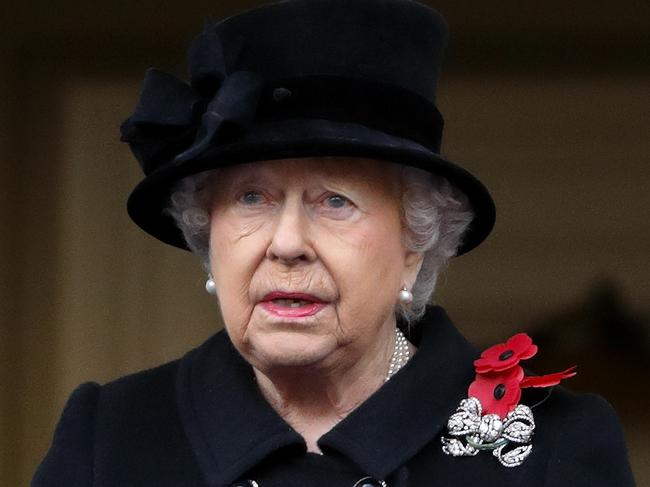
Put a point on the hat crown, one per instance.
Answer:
(399, 42)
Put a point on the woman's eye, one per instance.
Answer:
(337, 201)
(251, 198)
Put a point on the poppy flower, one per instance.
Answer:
(499, 392)
(548, 380)
(506, 355)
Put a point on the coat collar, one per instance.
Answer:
(232, 428)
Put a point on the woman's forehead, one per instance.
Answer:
(311, 168)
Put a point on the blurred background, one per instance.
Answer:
(547, 102)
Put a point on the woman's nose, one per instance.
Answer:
(291, 242)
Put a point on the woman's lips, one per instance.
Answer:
(292, 305)
(291, 295)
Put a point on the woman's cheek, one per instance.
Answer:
(348, 258)
(237, 244)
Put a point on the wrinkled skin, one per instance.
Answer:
(329, 227)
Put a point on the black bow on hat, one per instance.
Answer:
(171, 111)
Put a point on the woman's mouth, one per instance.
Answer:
(292, 305)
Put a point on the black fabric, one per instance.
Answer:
(201, 421)
(355, 78)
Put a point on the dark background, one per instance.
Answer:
(547, 102)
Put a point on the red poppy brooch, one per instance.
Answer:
(491, 418)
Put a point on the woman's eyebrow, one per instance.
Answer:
(254, 179)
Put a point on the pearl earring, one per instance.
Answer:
(405, 296)
(210, 286)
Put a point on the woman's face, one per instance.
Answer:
(308, 259)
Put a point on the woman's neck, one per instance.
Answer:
(312, 400)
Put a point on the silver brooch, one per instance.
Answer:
(509, 439)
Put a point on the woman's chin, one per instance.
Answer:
(281, 350)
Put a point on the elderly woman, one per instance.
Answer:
(302, 166)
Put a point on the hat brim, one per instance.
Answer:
(305, 138)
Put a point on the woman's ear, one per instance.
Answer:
(412, 265)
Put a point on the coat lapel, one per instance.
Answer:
(228, 422)
(410, 410)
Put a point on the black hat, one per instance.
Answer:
(298, 78)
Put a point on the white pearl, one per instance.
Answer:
(405, 296)
(401, 354)
(211, 287)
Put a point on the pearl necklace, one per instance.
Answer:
(401, 354)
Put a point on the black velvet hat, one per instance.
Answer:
(298, 78)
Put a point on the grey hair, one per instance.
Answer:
(435, 217)
(189, 206)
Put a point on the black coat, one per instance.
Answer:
(201, 421)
